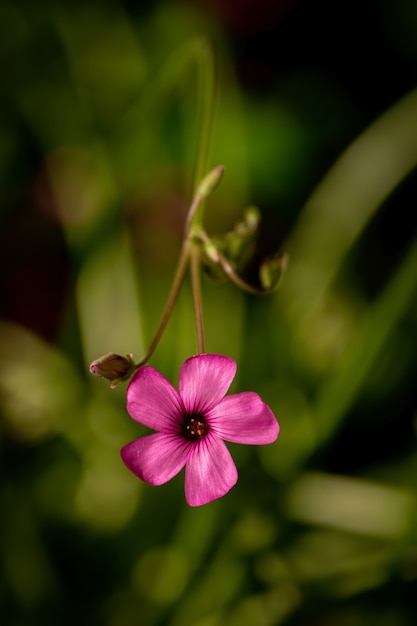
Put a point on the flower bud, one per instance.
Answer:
(113, 367)
(249, 223)
(210, 182)
(272, 270)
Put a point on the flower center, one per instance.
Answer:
(195, 426)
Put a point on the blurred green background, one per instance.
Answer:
(316, 123)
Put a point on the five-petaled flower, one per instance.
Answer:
(192, 423)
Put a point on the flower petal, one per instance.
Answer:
(153, 401)
(244, 418)
(204, 381)
(210, 472)
(156, 458)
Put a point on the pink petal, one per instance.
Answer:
(244, 418)
(153, 401)
(210, 472)
(204, 381)
(156, 458)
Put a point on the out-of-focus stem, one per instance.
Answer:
(204, 58)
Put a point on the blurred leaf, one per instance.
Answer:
(344, 202)
(354, 505)
(40, 388)
(373, 331)
(108, 302)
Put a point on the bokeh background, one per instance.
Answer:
(316, 124)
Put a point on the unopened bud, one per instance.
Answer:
(113, 367)
(249, 223)
(210, 182)
(272, 270)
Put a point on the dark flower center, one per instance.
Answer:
(194, 426)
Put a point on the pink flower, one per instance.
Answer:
(191, 424)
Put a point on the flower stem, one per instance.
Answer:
(228, 269)
(202, 54)
(206, 99)
(189, 222)
(197, 299)
(172, 298)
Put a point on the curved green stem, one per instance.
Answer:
(172, 298)
(227, 267)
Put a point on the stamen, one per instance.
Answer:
(195, 426)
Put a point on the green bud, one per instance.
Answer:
(210, 182)
(239, 243)
(272, 270)
(113, 367)
(249, 223)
